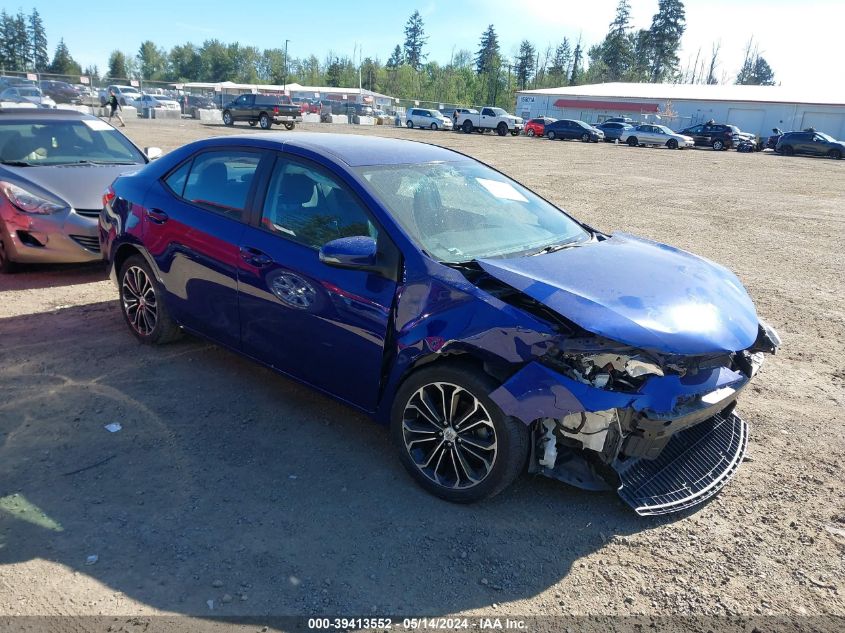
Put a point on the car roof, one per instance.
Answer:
(355, 150)
(52, 114)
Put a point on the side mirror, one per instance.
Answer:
(153, 152)
(350, 252)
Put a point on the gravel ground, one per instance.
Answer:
(228, 483)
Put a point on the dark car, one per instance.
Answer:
(494, 334)
(573, 129)
(719, 136)
(191, 103)
(613, 129)
(810, 143)
(60, 91)
(620, 119)
(54, 167)
(264, 110)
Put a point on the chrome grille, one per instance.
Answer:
(87, 242)
(88, 213)
(695, 464)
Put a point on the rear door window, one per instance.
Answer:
(220, 181)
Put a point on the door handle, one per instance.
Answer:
(157, 216)
(255, 257)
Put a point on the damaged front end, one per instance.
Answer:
(658, 427)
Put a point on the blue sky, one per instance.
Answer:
(800, 39)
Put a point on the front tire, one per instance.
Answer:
(787, 150)
(228, 119)
(502, 129)
(672, 144)
(452, 438)
(551, 135)
(585, 137)
(264, 122)
(142, 304)
(835, 154)
(433, 126)
(7, 266)
(409, 124)
(530, 132)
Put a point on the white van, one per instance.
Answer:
(431, 119)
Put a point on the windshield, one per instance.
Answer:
(826, 137)
(130, 91)
(65, 142)
(499, 112)
(29, 92)
(458, 212)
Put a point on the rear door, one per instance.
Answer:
(194, 219)
(324, 325)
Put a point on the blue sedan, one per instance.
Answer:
(490, 330)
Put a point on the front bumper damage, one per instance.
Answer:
(666, 446)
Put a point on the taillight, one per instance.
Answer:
(275, 109)
(108, 196)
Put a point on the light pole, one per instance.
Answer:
(285, 86)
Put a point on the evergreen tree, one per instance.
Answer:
(559, 70)
(487, 57)
(415, 39)
(617, 50)
(643, 56)
(667, 28)
(151, 61)
(526, 63)
(63, 63)
(575, 75)
(755, 69)
(93, 72)
(117, 66)
(23, 49)
(395, 59)
(38, 42)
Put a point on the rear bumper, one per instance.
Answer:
(287, 118)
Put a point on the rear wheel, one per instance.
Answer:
(551, 134)
(502, 129)
(228, 119)
(836, 154)
(633, 142)
(718, 144)
(467, 127)
(252, 124)
(672, 144)
(264, 121)
(290, 126)
(452, 438)
(787, 150)
(142, 304)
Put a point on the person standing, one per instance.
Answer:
(114, 104)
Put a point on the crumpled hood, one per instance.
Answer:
(640, 293)
(80, 186)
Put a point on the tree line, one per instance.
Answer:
(485, 75)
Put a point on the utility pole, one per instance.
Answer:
(285, 81)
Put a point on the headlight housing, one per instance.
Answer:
(27, 201)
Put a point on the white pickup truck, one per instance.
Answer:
(490, 119)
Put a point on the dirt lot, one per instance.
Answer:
(232, 484)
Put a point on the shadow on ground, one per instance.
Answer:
(225, 471)
(37, 276)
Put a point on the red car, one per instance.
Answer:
(537, 127)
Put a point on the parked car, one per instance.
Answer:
(490, 119)
(810, 143)
(54, 167)
(537, 127)
(573, 129)
(126, 95)
(491, 330)
(27, 93)
(425, 118)
(265, 110)
(717, 135)
(157, 102)
(191, 103)
(613, 129)
(60, 91)
(620, 119)
(657, 135)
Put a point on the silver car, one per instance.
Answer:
(425, 118)
(658, 135)
(28, 93)
(54, 167)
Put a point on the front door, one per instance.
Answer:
(192, 228)
(326, 326)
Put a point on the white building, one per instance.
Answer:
(755, 109)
